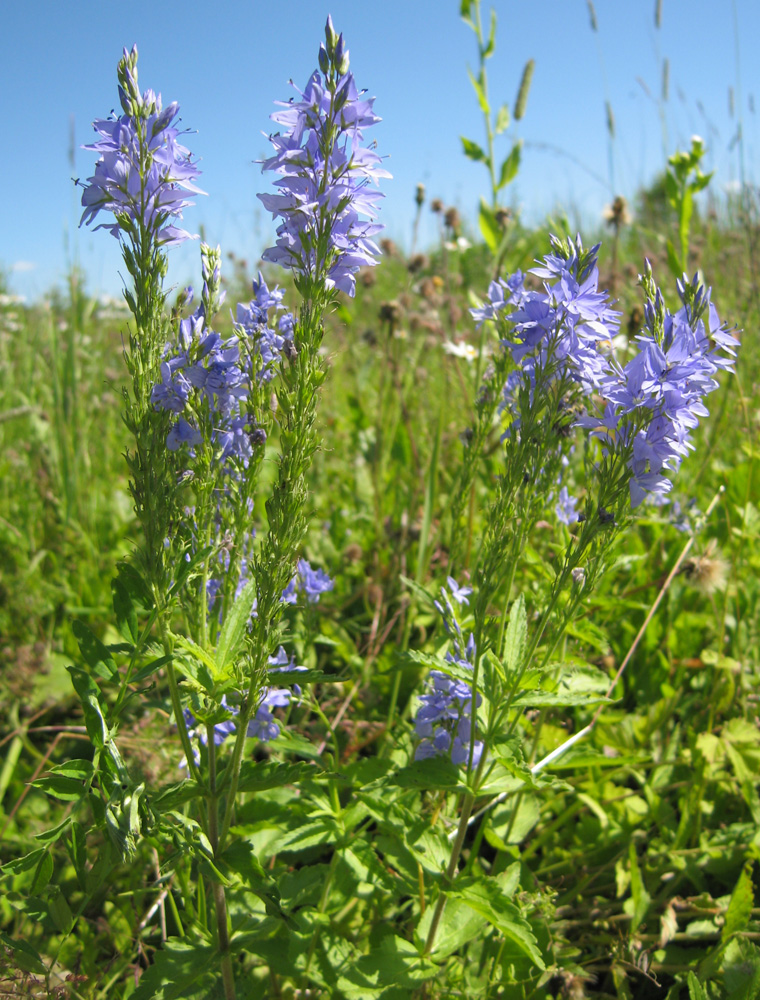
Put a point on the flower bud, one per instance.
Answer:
(324, 60)
(331, 37)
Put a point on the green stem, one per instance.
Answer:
(456, 850)
(220, 902)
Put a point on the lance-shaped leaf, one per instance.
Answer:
(510, 166)
(233, 630)
(473, 150)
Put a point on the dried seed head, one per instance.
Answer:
(453, 220)
(390, 312)
(709, 571)
(419, 195)
(617, 214)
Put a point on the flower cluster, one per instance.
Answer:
(649, 406)
(653, 403)
(202, 367)
(262, 726)
(444, 719)
(324, 176)
(557, 329)
(143, 174)
(313, 583)
(268, 345)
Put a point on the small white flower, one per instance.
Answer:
(460, 349)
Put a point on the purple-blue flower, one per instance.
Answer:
(323, 195)
(143, 174)
(565, 507)
(313, 582)
(444, 720)
(654, 402)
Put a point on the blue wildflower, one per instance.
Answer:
(143, 174)
(323, 192)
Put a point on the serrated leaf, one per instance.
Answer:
(234, 627)
(181, 969)
(696, 991)
(510, 166)
(486, 897)
(256, 776)
(433, 773)
(97, 656)
(473, 150)
(508, 751)
(740, 905)
(201, 654)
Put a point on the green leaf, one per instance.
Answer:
(740, 905)
(322, 830)
(503, 119)
(89, 696)
(473, 150)
(395, 962)
(256, 776)
(25, 863)
(50, 836)
(77, 850)
(464, 10)
(640, 898)
(24, 956)
(433, 773)
(480, 92)
(459, 925)
(124, 610)
(181, 969)
(61, 787)
(59, 909)
(673, 262)
(741, 971)
(135, 586)
(516, 636)
(696, 991)
(489, 227)
(97, 656)
(239, 859)
(43, 872)
(487, 898)
(510, 166)
(491, 45)
(202, 655)
(233, 629)
(509, 752)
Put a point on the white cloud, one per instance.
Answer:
(23, 265)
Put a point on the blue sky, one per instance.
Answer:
(227, 62)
